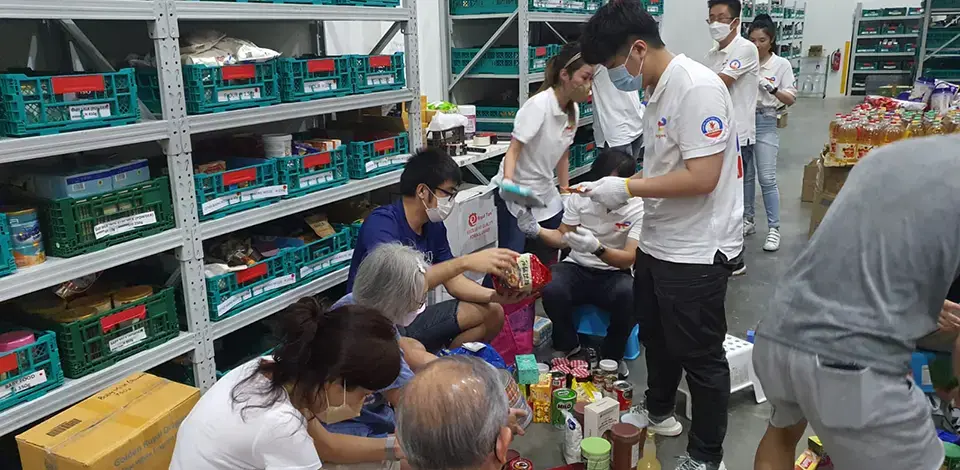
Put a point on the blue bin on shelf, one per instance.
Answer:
(592, 321)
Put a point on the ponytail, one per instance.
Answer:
(567, 59)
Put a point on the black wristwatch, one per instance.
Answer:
(775, 90)
(600, 251)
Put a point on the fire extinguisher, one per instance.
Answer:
(835, 62)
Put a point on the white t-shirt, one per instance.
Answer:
(545, 131)
(689, 116)
(612, 228)
(215, 436)
(617, 115)
(779, 72)
(740, 61)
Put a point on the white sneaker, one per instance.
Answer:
(773, 240)
(623, 370)
(685, 462)
(749, 228)
(740, 270)
(669, 427)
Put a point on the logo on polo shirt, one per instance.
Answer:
(771, 79)
(661, 125)
(735, 64)
(622, 225)
(712, 127)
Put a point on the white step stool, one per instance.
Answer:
(740, 358)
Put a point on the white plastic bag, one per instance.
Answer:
(572, 435)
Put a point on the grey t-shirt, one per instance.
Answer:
(873, 278)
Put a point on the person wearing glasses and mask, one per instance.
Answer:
(428, 188)
(692, 229)
(737, 61)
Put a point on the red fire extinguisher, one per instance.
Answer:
(835, 62)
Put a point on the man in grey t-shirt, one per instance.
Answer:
(835, 347)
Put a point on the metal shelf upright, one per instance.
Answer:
(946, 50)
(863, 25)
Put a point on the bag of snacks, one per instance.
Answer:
(529, 276)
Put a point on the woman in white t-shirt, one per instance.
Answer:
(542, 134)
(267, 413)
(603, 247)
(777, 90)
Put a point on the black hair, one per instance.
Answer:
(615, 26)
(763, 22)
(567, 60)
(733, 5)
(355, 344)
(612, 161)
(430, 166)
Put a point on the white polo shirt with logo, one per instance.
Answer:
(741, 62)
(612, 228)
(688, 116)
(617, 115)
(779, 73)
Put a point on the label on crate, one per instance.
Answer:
(128, 340)
(239, 94)
(263, 193)
(316, 179)
(233, 301)
(321, 265)
(539, 63)
(214, 205)
(89, 111)
(274, 284)
(23, 383)
(319, 85)
(387, 161)
(380, 80)
(123, 225)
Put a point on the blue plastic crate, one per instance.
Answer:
(52, 104)
(7, 264)
(211, 89)
(376, 157)
(307, 79)
(323, 256)
(308, 173)
(30, 371)
(373, 73)
(247, 183)
(502, 60)
(230, 293)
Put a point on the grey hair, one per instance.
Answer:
(391, 279)
(451, 414)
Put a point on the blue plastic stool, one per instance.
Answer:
(592, 321)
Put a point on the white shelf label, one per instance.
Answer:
(128, 340)
(274, 284)
(214, 205)
(23, 383)
(539, 63)
(232, 302)
(89, 111)
(126, 224)
(387, 161)
(319, 85)
(321, 265)
(381, 80)
(263, 193)
(239, 94)
(316, 179)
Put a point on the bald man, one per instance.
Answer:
(454, 414)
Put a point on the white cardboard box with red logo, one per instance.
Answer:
(473, 223)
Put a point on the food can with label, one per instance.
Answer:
(624, 391)
(563, 400)
(558, 380)
(25, 233)
(520, 463)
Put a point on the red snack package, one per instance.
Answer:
(529, 276)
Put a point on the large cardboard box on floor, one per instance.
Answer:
(473, 223)
(831, 179)
(821, 202)
(131, 425)
(809, 181)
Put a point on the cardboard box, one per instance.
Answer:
(473, 223)
(809, 181)
(821, 202)
(130, 425)
(831, 179)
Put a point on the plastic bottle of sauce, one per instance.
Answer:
(626, 446)
(648, 461)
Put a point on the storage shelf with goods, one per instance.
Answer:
(940, 41)
(787, 15)
(884, 47)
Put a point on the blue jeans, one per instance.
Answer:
(760, 159)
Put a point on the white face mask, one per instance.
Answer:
(443, 210)
(719, 31)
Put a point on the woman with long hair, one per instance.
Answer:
(542, 134)
(777, 90)
(269, 413)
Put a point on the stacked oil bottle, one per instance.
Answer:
(854, 135)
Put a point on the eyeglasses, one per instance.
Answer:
(722, 19)
(448, 193)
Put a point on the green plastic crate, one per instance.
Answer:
(872, 13)
(586, 108)
(247, 183)
(299, 2)
(30, 371)
(583, 154)
(366, 159)
(372, 73)
(369, 3)
(915, 11)
(937, 37)
(7, 264)
(654, 7)
(866, 65)
(73, 227)
(310, 78)
(496, 112)
(482, 7)
(942, 74)
(502, 60)
(211, 89)
(231, 293)
(97, 342)
(896, 11)
(498, 127)
(51, 104)
(868, 47)
(305, 174)
(488, 168)
(355, 232)
(323, 256)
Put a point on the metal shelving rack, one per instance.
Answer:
(892, 75)
(950, 49)
(786, 42)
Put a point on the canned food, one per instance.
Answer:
(557, 380)
(520, 463)
(624, 391)
(563, 400)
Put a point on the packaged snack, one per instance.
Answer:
(529, 276)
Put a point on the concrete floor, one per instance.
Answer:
(747, 296)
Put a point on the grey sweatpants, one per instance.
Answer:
(865, 419)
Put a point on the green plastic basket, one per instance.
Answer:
(7, 264)
(583, 154)
(872, 12)
(654, 7)
(247, 183)
(369, 3)
(309, 78)
(355, 232)
(73, 227)
(502, 60)
(942, 74)
(895, 11)
(372, 73)
(309, 173)
(498, 127)
(42, 105)
(366, 159)
(30, 371)
(211, 89)
(231, 293)
(496, 112)
(937, 37)
(323, 256)
(586, 108)
(299, 2)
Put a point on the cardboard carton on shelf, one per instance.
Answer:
(830, 181)
(132, 425)
(809, 186)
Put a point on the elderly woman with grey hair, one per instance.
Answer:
(454, 415)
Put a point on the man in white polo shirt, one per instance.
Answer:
(617, 116)
(692, 193)
(737, 62)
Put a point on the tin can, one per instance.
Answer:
(27, 238)
(558, 380)
(593, 359)
(563, 400)
(520, 463)
(624, 391)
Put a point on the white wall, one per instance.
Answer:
(684, 28)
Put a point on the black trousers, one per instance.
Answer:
(574, 285)
(683, 323)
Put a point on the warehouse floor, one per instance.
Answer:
(747, 296)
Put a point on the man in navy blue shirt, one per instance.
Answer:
(428, 187)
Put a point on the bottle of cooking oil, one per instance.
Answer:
(834, 127)
(869, 137)
(914, 129)
(892, 131)
(649, 459)
(936, 128)
(847, 141)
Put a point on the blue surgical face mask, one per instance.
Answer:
(623, 79)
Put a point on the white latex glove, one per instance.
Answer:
(528, 224)
(581, 240)
(609, 191)
(766, 86)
